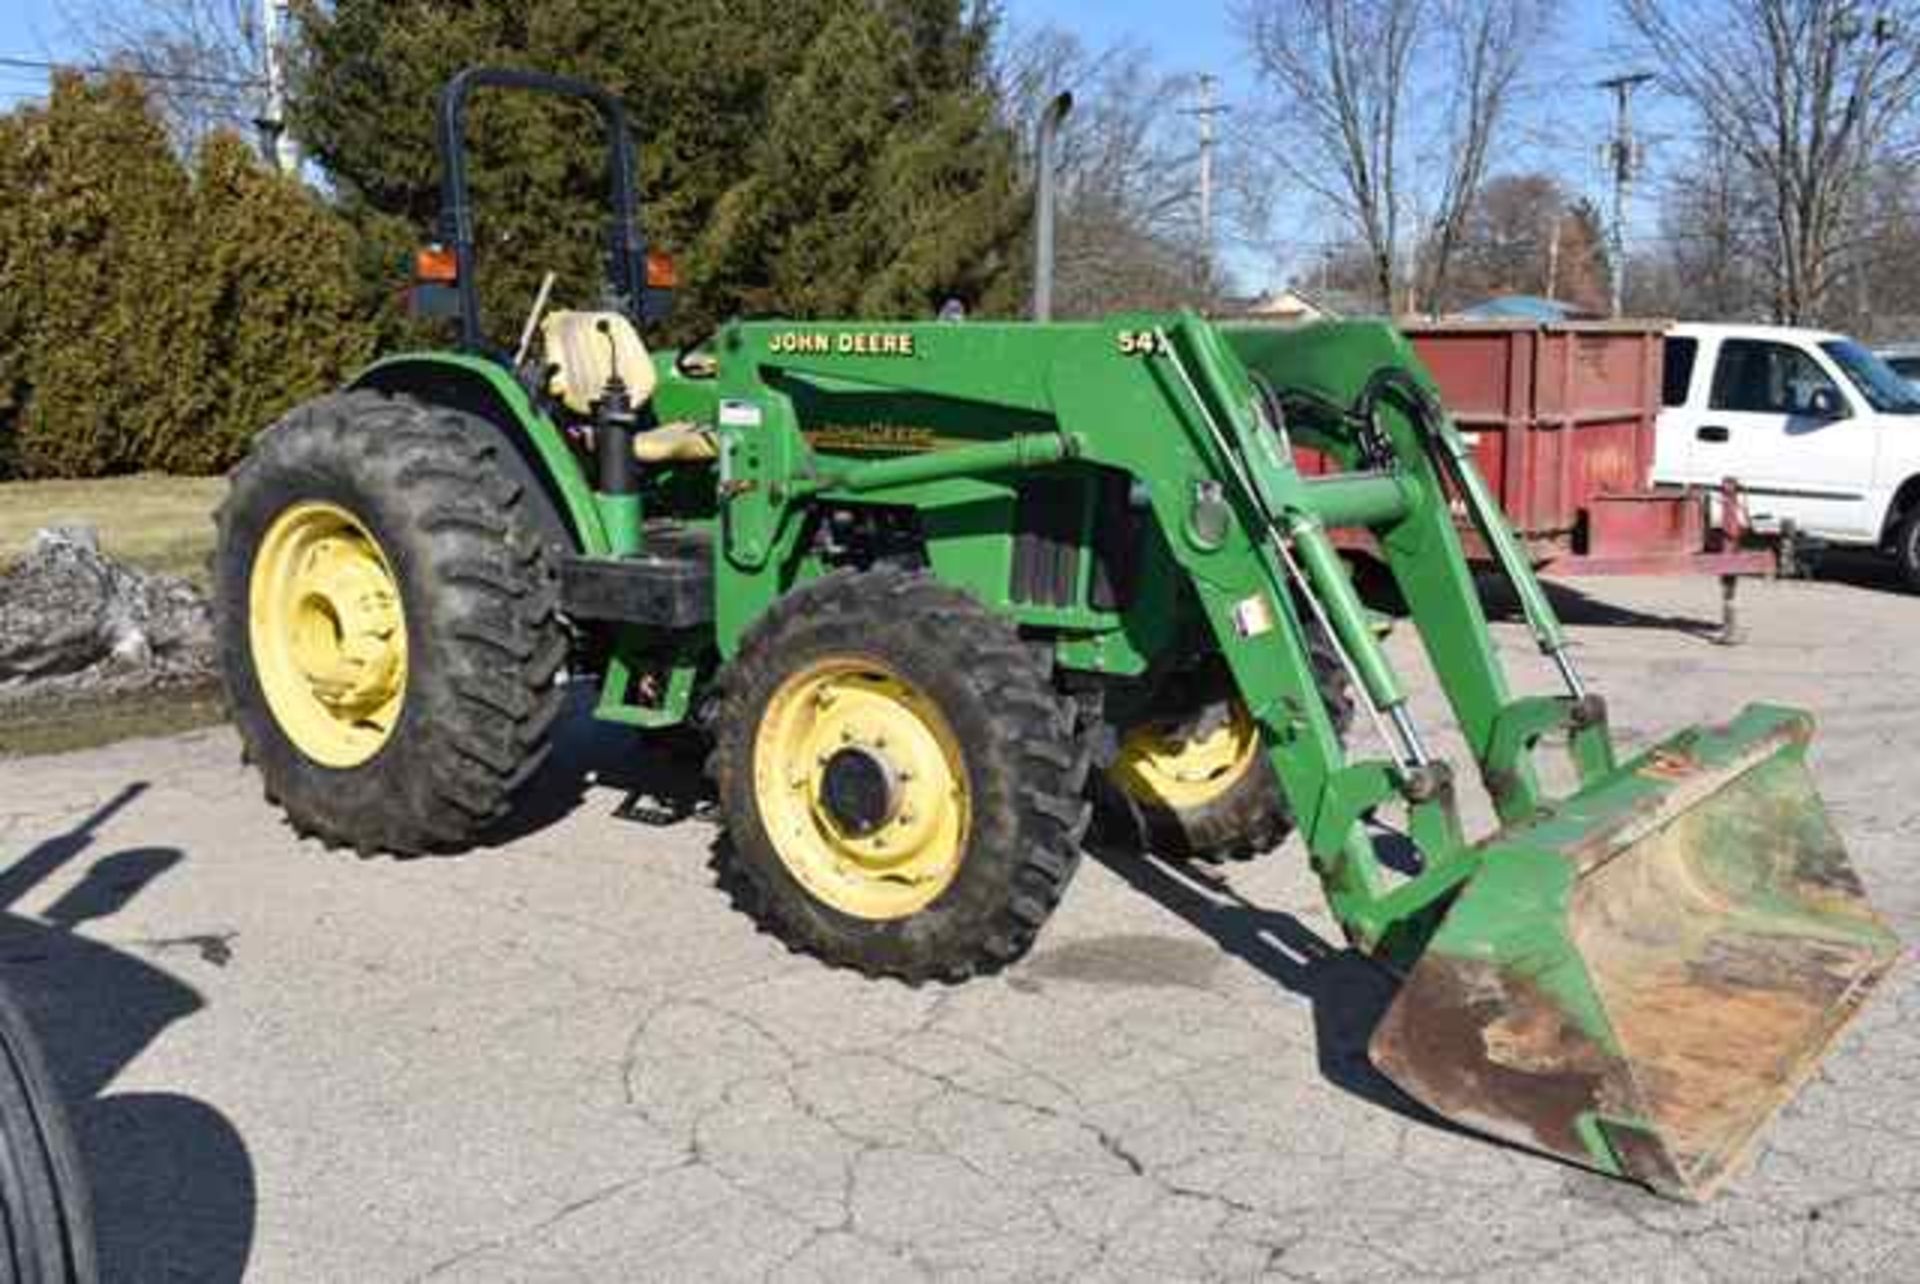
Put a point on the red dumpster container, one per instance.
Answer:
(1561, 419)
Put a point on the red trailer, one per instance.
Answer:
(1561, 418)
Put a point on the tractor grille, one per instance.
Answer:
(1050, 530)
(1046, 543)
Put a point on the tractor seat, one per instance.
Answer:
(676, 443)
(584, 349)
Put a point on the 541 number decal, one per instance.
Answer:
(1142, 343)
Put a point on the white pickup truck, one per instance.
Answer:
(1817, 430)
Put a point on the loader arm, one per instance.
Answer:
(1573, 981)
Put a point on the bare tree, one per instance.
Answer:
(1485, 42)
(1888, 297)
(1805, 96)
(1338, 73)
(1343, 80)
(1127, 226)
(201, 59)
(1720, 255)
(1527, 234)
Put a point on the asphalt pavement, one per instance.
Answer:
(567, 1057)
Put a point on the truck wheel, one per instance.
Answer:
(1198, 787)
(386, 610)
(1906, 549)
(901, 790)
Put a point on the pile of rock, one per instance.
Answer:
(74, 620)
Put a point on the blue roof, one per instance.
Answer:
(1521, 307)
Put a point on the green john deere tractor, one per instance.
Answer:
(925, 585)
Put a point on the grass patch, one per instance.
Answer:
(67, 723)
(152, 520)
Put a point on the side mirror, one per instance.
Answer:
(1825, 403)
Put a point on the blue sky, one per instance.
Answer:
(1561, 122)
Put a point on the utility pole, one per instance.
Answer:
(279, 146)
(1553, 260)
(1623, 162)
(1206, 111)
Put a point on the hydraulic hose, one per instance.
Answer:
(1454, 458)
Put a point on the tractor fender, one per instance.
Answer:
(547, 466)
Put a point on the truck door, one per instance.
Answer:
(1680, 404)
(1780, 423)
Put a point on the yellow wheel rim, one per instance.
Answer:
(328, 634)
(1158, 765)
(862, 788)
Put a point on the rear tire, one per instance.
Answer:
(969, 825)
(430, 492)
(1244, 816)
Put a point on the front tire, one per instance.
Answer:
(901, 789)
(387, 615)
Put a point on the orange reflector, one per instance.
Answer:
(436, 264)
(662, 272)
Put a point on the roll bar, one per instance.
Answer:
(627, 251)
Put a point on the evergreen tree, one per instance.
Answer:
(151, 318)
(271, 305)
(16, 309)
(798, 156)
(100, 353)
(898, 196)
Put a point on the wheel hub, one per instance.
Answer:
(862, 788)
(1187, 766)
(328, 633)
(345, 628)
(859, 790)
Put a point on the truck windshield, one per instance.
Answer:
(1884, 390)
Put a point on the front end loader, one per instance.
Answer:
(933, 590)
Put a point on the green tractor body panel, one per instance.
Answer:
(474, 382)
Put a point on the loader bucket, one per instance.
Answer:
(1638, 979)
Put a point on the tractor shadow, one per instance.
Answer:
(1572, 604)
(1578, 608)
(660, 776)
(172, 1184)
(1349, 993)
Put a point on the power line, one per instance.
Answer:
(107, 69)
